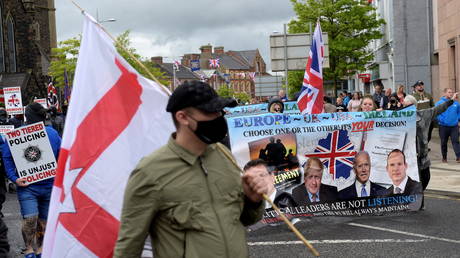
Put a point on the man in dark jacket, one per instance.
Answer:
(362, 187)
(313, 191)
(379, 96)
(57, 120)
(401, 182)
(424, 119)
(424, 101)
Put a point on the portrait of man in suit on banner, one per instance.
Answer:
(313, 191)
(362, 187)
(401, 182)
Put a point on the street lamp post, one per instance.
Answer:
(102, 21)
(108, 20)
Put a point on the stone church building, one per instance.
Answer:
(27, 34)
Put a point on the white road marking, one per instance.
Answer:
(338, 241)
(405, 233)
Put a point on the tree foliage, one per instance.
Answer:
(242, 97)
(350, 24)
(294, 82)
(124, 47)
(65, 57)
(225, 91)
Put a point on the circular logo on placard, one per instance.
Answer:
(32, 153)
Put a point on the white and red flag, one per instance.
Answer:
(116, 117)
(176, 65)
(310, 100)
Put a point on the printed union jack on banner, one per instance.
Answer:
(310, 100)
(214, 63)
(337, 153)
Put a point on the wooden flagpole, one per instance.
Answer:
(283, 217)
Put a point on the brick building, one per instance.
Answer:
(236, 68)
(446, 44)
(27, 34)
(171, 72)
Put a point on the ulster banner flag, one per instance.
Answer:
(116, 117)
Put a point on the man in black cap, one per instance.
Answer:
(187, 195)
(424, 101)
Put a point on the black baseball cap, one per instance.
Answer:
(417, 83)
(199, 95)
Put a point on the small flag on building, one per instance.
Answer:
(214, 63)
(252, 75)
(195, 65)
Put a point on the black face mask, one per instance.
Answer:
(211, 131)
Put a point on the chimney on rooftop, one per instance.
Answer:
(219, 50)
(157, 59)
(206, 49)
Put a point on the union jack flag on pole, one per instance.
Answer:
(310, 100)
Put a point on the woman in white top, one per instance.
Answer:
(355, 103)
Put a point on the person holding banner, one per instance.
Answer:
(362, 187)
(33, 198)
(280, 199)
(187, 195)
(424, 119)
(313, 191)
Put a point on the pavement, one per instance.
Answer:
(445, 177)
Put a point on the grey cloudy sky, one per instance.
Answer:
(172, 28)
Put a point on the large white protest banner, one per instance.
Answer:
(13, 100)
(32, 153)
(342, 185)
